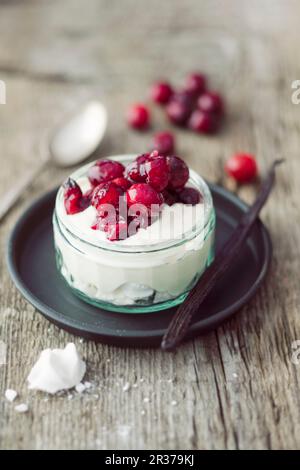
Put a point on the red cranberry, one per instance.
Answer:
(178, 113)
(122, 182)
(164, 142)
(152, 155)
(170, 197)
(195, 83)
(204, 123)
(72, 196)
(190, 196)
(118, 231)
(178, 172)
(144, 194)
(211, 102)
(157, 172)
(143, 158)
(88, 194)
(71, 188)
(161, 92)
(138, 116)
(242, 167)
(184, 97)
(106, 193)
(132, 172)
(105, 170)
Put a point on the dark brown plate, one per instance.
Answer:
(31, 262)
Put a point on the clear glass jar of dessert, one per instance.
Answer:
(142, 273)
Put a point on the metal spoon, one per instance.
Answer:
(70, 144)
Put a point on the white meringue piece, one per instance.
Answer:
(10, 395)
(22, 408)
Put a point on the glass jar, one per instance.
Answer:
(134, 278)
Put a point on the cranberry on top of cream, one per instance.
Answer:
(128, 199)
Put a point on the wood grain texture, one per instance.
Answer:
(235, 388)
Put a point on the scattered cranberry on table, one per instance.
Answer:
(194, 106)
(242, 167)
(180, 107)
(164, 142)
(177, 112)
(195, 83)
(211, 102)
(138, 116)
(161, 92)
(186, 98)
(157, 172)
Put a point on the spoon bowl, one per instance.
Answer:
(80, 136)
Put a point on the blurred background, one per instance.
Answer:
(55, 55)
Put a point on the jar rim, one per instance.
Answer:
(195, 179)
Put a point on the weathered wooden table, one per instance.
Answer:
(237, 387)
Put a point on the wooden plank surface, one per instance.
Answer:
(237, 387)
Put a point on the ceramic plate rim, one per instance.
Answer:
(72, 324)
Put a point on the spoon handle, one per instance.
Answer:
(12, 196)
